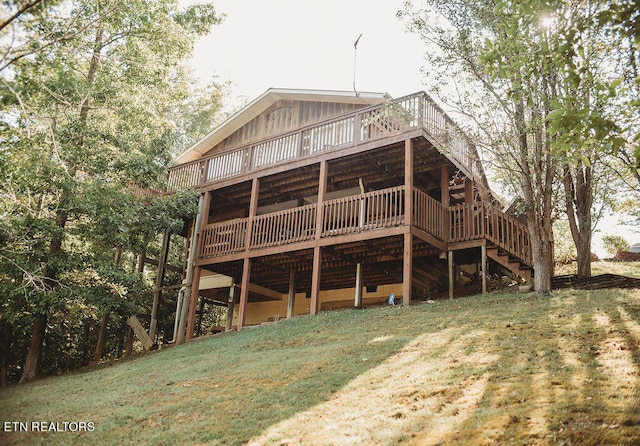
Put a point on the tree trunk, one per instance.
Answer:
(102, 336)
(128, 346)
(578, 191)
(32, 362)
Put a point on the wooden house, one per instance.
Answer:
(314, 200)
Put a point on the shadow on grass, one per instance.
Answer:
(552, 371)
(224, 390)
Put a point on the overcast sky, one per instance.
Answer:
(310, 44)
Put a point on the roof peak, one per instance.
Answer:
(264, 101)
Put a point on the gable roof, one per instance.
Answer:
(266, 100)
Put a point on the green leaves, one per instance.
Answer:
(82, 117)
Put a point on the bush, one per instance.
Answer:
(614, 243)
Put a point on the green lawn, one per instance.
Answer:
(477, 370)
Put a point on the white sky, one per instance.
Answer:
(309, 45)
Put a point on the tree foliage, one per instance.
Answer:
(538, 81)
(88, 110)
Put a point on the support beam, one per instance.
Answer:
(322, 192)
(407, 269)
(445, 199)
(244, 292)
(444, 186)
(176, 323)
(230, 307)
(408, 182)
(468, 191)
(407, 261)
(181, 315)
(206, 206)
(451, 278)
(193, 304)
(291, 302)
(128, 345)
(317, 250)
(483, 269)
(253, 208)
(358, 296)
(315, 280)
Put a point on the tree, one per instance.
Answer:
(547, 70)
(82, 119)
(497, 54)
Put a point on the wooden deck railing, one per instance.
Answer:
(414, 111)
(370, 211)
(508, 233)
(428, 214)
(364, 212)
(466, 222)
(481, 220)
(224, 238)
(283, 227)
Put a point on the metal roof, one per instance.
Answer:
(266, 100)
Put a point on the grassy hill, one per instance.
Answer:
(505, 368)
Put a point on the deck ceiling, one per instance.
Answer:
(380, 168)
(381, 258)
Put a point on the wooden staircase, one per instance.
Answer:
(506, 239)
(510, 263)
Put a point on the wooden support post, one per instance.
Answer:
(407, 269)
(444, 199)
(315, 280)
(483, 269)
(407, 262)
(291, 302)
(193, 304)
(206, 206)
(468, 191)
(183, 312)
(444, 186)
(322, 191)
(451, 277)
(197, 271)
(244, 292)
(230, 307)
(358, 297)
(408, 182)
(253, 209)
(317, 250)
(157, 295)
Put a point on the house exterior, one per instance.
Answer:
(313, 200)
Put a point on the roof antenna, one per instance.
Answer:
(355, 52)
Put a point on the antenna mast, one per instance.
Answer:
(355, 53)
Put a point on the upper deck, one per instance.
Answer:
(361, 129)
